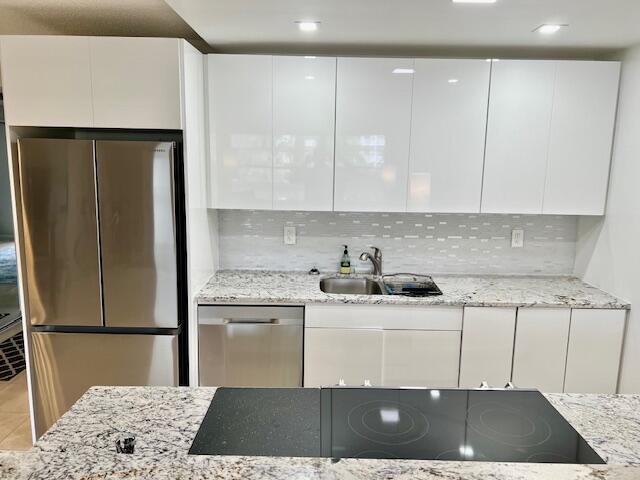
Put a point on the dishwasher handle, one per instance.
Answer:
(275, 322)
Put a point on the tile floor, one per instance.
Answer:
(15, 429)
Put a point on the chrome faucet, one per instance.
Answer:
(376, 259)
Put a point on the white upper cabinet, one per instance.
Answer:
(520, 106)
(240, 131)
(373, 116)
(449, 118)
(581, 136)
(304, 91)
(46, 81)
(136, 82)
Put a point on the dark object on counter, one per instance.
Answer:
(499, 425)
(314, 271)
(126, 444)
(410, 284)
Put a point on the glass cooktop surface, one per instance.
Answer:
(475, 425)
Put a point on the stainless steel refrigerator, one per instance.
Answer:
(101, 263)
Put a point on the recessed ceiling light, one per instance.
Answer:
(308, 26)
(548, 28)
(473, 1)
(309, 77)
(310, 57)
(493, 59)
(453, 80)
(403, 70)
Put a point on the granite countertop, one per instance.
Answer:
(299, 288)
(165, 421)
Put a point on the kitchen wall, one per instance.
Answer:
(434, 243)
(608, 254)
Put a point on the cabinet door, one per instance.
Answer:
(331, 354)
(540, 351)
(373, 116)
(449, 118)
(581, 136)
(136, 82)
(303, 130)
(595, 346)
(518, 125)
(420, 358)
(487, 346)
(240, 131)
(46, 81)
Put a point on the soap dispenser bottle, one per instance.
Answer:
(345, 261)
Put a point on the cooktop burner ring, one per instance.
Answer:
(537, 435)
(395, 413)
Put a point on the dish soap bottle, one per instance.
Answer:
(345, 261)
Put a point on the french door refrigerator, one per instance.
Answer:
(101, 262)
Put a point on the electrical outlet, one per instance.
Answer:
(517, 238)
(289, 235)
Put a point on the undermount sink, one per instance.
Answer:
(351, 286)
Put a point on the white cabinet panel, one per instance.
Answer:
(420, 358)
(540, 351)
(136, 82)
(303, 129)
(373, 116)
(46, 81)
(487, 346)
(240, 131)
(396, 317)
(595, 345)
(520, 107)
(449, 117)
(334, 354)
(581, 136)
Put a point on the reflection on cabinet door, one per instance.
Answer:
(420, 358)
(580, 139)
(517, 136)
(331, 354)
(46, 81)
(487, 346)
(595, 345)
(303, 130)
(240, 130)
(373, 117)
(540, 351)
(449, 117)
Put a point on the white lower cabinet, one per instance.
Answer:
(420, 358)
(595, 346)
(540, 350)
(487, 346)
(331, 354)
(387, 345)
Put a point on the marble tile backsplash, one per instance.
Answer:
(411, 242)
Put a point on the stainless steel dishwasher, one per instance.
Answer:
(250, 346)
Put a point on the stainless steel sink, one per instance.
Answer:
(352, 286)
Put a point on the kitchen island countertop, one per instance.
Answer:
(165, 421)
(299, 288)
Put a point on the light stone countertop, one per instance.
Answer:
(165, 421)
(299, 288)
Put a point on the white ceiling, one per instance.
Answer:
(596, 27)
(136, 18)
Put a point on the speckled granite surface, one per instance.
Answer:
(260, 287)
(165, 420)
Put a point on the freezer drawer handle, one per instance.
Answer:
(249, 321)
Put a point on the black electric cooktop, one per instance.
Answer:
(477, 425)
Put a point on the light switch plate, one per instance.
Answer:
(289, 235)
(517, 238)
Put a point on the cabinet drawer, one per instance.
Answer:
(394, 317)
